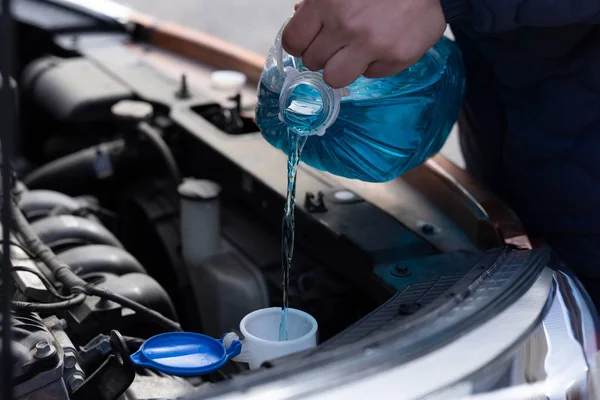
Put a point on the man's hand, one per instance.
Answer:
(374, 38)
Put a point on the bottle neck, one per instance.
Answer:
(307, 104)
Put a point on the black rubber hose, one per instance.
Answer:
(60, 270)
(78, 168)
(45, 282)
(49, 307)
(21, 247)
(155, 137)
(135, 306)
(72, 282)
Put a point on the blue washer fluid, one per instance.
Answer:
(375, 129)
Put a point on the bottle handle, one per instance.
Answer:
(279, 48)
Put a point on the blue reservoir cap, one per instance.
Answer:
(184, 353)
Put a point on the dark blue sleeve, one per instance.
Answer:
(504, 15)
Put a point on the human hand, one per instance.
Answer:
(374, 38)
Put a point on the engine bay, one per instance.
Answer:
(146, 185)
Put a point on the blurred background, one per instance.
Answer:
(252, 24)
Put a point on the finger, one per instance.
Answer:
(321, 50)
(383, 69)
(345, 67)
(301, 30)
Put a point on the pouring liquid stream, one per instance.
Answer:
(303, 111)
(288, 225)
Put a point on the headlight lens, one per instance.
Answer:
(558, 359)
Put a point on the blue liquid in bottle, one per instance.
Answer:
(385, 126)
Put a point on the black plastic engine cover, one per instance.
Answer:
(73, 90)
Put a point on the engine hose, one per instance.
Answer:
(45, 282)
(60, 270)
(49, 307)
(81, 167)
(72, 282)
(154, 136)
(135, 306)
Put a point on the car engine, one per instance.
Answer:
(164, 249)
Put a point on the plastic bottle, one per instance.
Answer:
(375, 129)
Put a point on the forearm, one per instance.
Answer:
(504, 15)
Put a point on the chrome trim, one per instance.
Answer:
(571, 361)
(563, 350)
(590, 326)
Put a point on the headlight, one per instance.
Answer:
(557, 359)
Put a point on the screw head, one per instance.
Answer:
(42, 345)
(44, 349)
(75, 381)
(428, 229)
(70, 358)
(400, 271)
(408, 309)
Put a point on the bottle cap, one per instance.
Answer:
(199, 189)
(185, 353)
(227, 80)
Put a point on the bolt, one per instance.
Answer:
(428, 229)
(313, 206)
(400, 271)
(42, 346)
(43, 349)
(75, 381)
(183, 92)
(237, 99)
(408, 309)
(70, 358)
